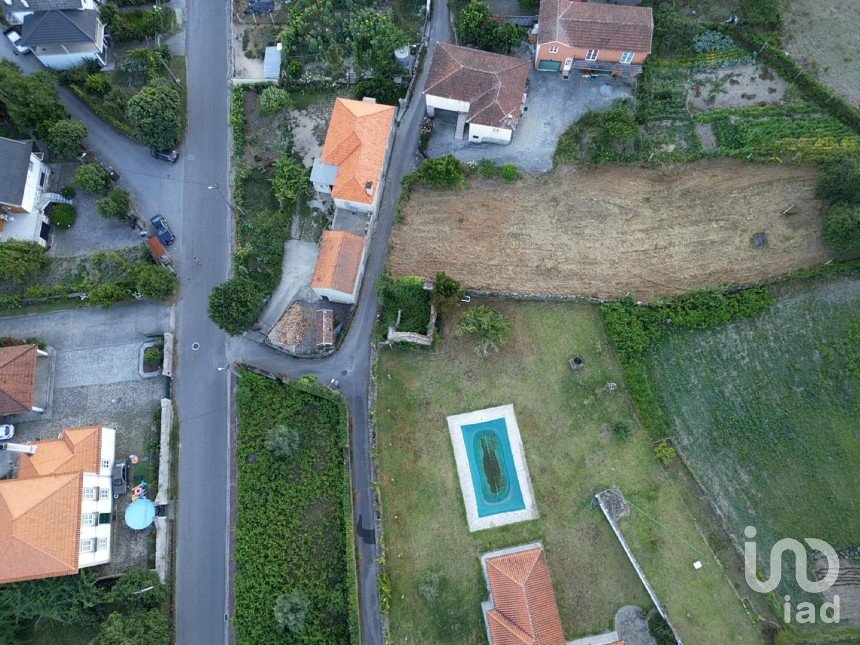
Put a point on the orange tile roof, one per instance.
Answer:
(356, 142)
(77, 450)
(339, 261)
(17, 378)
(524, 607)
(596, 26)
(40, 522)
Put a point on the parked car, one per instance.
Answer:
(14, 37)
(162, 230)
(7, 431)
(119, 479)
(170, 156)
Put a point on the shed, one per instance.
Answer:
(272, 64)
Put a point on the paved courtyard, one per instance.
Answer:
(553, 104)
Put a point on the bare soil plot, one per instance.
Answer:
(822, 36)
(611, 230)
(742, 86)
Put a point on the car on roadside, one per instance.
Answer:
(15, 38)
(119, 479)
(170, 156)
(7, 431)
(162, 230)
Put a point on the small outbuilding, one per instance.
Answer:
(339, 267)
(272, 64)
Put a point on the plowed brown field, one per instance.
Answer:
(611, 230)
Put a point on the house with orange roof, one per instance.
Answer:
(18, 375)
(351, 167)
(339, 267)
(55, 516)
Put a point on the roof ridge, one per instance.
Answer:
(63, 12)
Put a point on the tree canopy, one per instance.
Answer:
(20, 260)
(91, 177)
(116, 204)
(155, 113)
(235, 305)
(137, 628)
(126, 590)
(488, 324)
(477, 26)
(291, 181)
(32, 101)
(155, 282)
(841, 230)
(839, 179)
(374, 38)
(65, 137)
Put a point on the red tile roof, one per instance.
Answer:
(524, 607)
(78, 450)
(356, 143)
(492, 84)
(17, 378)
(339, 261)
(596, 26)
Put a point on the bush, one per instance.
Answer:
(154, 356)
(487, 168)
(712, 41)
(125, 592)
(430, 585)
(510, 172)
(476, 25)
(621, 429)
(673, 31)
(115, 205)
(91, 178)
(488, 324)
(762, 13)
(236, 304)
(68, 192)
(446, 293)
(155, 282)
(291, 181)
(139, 627)
(665, 452)
(841, 230)
(98, 84)
(63, 215)
(238, 121)
(108, 294)
(839, 179)
(65, 137)
(295, 69)
(660, 630)
(381, 88)
(283, 441)
(443, 173)
(273, 100)
(611, 134)
(20, 260)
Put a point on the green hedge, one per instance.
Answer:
(238, 122)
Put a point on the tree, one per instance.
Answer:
(291, 181)
(116, 204)
(32, 102)
(478, 26)
(841, 230)
(839, 179)
(68, 600)
(20, 260)
(107, 294)
(488, 324)
(446, 293)
(291, 610)
(374, 38)
(282, 441)
(126, 591)
(65, 137)
(155, 113)
(155, 282)
(509, 36)
(92, 178)
(381, 88)
(236, 304)
(443, 173)
(273, 100)
(136, 628)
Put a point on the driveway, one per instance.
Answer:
(296, 273)
(552, 105)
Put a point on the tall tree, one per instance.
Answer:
(31, 101)
(156, 114)
(291, 181)
(374, 38)
(235, 305)
(65, 137)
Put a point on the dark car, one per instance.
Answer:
(170, 156)
(162, 230)
(119, 479)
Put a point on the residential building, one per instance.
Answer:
(18, 371)
(354, 155)
(61, 33)
(55, 516)
(486, 91)
(23, 177)
(339, 267)
(522, 606)
(602, 39)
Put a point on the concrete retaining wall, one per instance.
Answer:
(162, 526)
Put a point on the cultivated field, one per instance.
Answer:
(565, 420)
(614, 229)
(766, 411)
(823, 37)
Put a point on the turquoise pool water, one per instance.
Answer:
(491, 462)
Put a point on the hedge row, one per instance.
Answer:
(101, 112)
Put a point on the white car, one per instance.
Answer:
(14, 38)
(6, 432)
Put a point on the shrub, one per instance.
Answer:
(68, 192)
(611, 133)
(283, 441)
(291, 181)
(443, 173)
(107, 294)
(621, 429)
(430, 585)
(155, 282)
(660, 630)
(291, 610)
(295, 69)
(477, 26)
(841, 230)
(273, 100)
(510, 172)
(839, 179)
(673, 31)
(63, 215)
(712, 41)
(487, 168)
(238, 121)
(91, 178)
(115, 205)
(426, 132)
(126, 590)
(236, 304)
(98, 84)
(762, 13)
(665, 452)
(154, 356)
(65, 137)
(149, 626)
(488, 324)
(20, 260)
(446, 293)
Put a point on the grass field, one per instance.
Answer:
(765, 413)
(565, 420)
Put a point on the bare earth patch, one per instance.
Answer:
(742, 86)
(611, 230)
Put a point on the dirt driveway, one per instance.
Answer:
(612, 230)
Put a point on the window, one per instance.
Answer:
(105, 463)
(89, 519)
(627, 57)
(88, 545)
(553, 50)
(42, 178)
(90, 494)
(102, 545)
(104, 493)
(591, 54)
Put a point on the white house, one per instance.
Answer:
(339, 267)
(486, 91)
(61, 33)
(23, 176)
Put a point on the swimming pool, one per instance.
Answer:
(491, 463)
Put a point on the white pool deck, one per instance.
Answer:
(455, 429)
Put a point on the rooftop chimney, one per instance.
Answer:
(368, 187)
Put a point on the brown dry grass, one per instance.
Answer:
(611, 230)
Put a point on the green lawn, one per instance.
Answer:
(564, 419)
(294, 514)
(765, 412)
